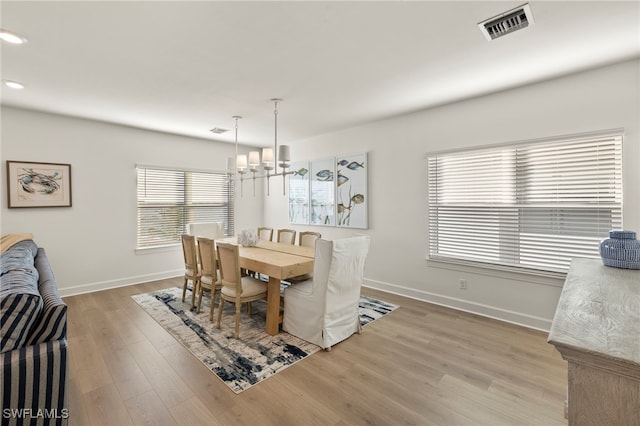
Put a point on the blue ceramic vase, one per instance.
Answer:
(621, 250)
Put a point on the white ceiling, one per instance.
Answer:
(186, 67)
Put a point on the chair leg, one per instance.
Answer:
(249, 308)
(184, 289)
(220, 310)
(193, 294)
(200, 290)
(237, 331)
(359, 326)
(213, 302)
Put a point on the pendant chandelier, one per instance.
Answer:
(269, 164)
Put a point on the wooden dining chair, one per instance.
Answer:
(265, 233)
(287, 236)
(308, 238)
(191, 270)
(209, 274)
(236, 288)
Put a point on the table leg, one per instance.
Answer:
(273, 306)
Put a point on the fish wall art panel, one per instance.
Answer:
(322, 178)
(352, 197)
(299, 193)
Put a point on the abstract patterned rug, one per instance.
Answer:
(239, 363)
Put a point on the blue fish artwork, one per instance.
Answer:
(343, 162)
(342, 179)
(325, 175)
(355, 165)
(302, 172)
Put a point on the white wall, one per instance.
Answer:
(600, 99)
(91, 245)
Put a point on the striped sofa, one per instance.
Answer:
(33, 341)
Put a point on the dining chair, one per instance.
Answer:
(308, 238)
(191, 270)
(265, 233)
(287, 236)
(212, 230)
(209, 274)
(324, 310)
(236, 288)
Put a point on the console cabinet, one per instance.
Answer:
(596, 328)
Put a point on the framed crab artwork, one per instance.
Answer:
(32, 184)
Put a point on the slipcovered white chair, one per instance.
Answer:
(211, 230)
(324, 310)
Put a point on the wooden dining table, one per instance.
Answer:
(279, 261)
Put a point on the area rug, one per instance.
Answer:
(240, 363)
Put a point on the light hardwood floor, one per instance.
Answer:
(420, 365)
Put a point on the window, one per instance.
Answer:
(169, 199)
(530, 206)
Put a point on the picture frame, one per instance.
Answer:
(352, 197)
(323, 206)
(36, 184)
(299, 193)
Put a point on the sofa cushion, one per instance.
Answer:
(20, 300)
(18, 313)
(52, 322)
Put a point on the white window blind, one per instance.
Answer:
(532, 206)
(169, 199)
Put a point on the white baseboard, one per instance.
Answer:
(122, 282)
(529, 321)
(537, 323)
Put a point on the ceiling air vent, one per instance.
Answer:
(507, 22)
(218, 130)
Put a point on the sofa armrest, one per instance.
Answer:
(34, 384)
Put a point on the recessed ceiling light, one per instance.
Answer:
(10, 37)
(13, 84)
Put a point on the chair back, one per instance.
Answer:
(229, 260)
(212, 230)
(346, 273)
(325, 311)
(308, 238)
(207, 253)
(189, 252)
(287, 236)
(265, 233)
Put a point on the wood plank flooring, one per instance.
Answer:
(420, 365)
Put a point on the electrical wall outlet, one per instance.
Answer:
(463, 284)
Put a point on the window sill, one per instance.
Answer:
(158, 249)
(555, 279)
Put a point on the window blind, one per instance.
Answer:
(169, 199)
(531, 206)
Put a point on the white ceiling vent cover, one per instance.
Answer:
(218, 130)
(507, 22)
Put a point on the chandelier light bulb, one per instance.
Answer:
(13, 84)
(12, 38)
